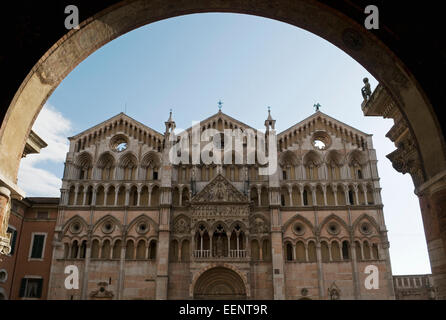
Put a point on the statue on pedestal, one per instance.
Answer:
(366, 91)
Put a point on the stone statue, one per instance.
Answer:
(366, 91)
(219, 246)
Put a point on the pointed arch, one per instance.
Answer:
(367, 217)
(337, 219)
(300, 218)
(73, 219)
(106, 218)
(144, 218)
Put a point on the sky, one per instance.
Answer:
(188, 64)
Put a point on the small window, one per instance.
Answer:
(37, 246)
(305, 196)
(284, 175)
(282, 200)
(155, 175)
(360, 174)
(42, 214)
(345, 250)
(13, 239)
(350, 197)
(31, 288)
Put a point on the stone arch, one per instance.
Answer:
(367, 217)
(105, 218)
(312, 158)
(288, 158)
(337, 219)
(141, 218)
(151, 159)
(356, 155)
(221, 281)
(73, 219)
(334, 157)
(300, 218)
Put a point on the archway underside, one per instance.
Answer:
(219, 284)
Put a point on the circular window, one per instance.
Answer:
(3, 275)
(142, 227)
(365, 228)
(319, 144)
(333, 228)
(321, 140)
(299, 229)
(108, 227)
(75, 227)
(119, 143)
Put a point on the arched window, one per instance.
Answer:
(152, 250)
(335, 251)
(117, 250)
(129, 250)
(141, 250)
(94, 249)
(375, 251)
(74, 250)
(312, 257)
(305, 196)
(351, 197)
(345, 250)
(83, 250)
(325, 252)
(105, 252)
(282, 200)
(289, 252)
(358, 251)
(366, 249)
(300, 252)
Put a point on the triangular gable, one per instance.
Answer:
(119, 116)
(324, 116)
(219, 190)
(223, 116)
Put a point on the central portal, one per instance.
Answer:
(219, 284)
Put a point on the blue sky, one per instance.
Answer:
(188, 63)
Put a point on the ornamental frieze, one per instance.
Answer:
(205, 211)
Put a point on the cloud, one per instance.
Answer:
(35, 180)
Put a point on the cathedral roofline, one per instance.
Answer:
(121, 114)
(319, 113)
(223, 115)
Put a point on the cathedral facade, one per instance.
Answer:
(138, 225)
